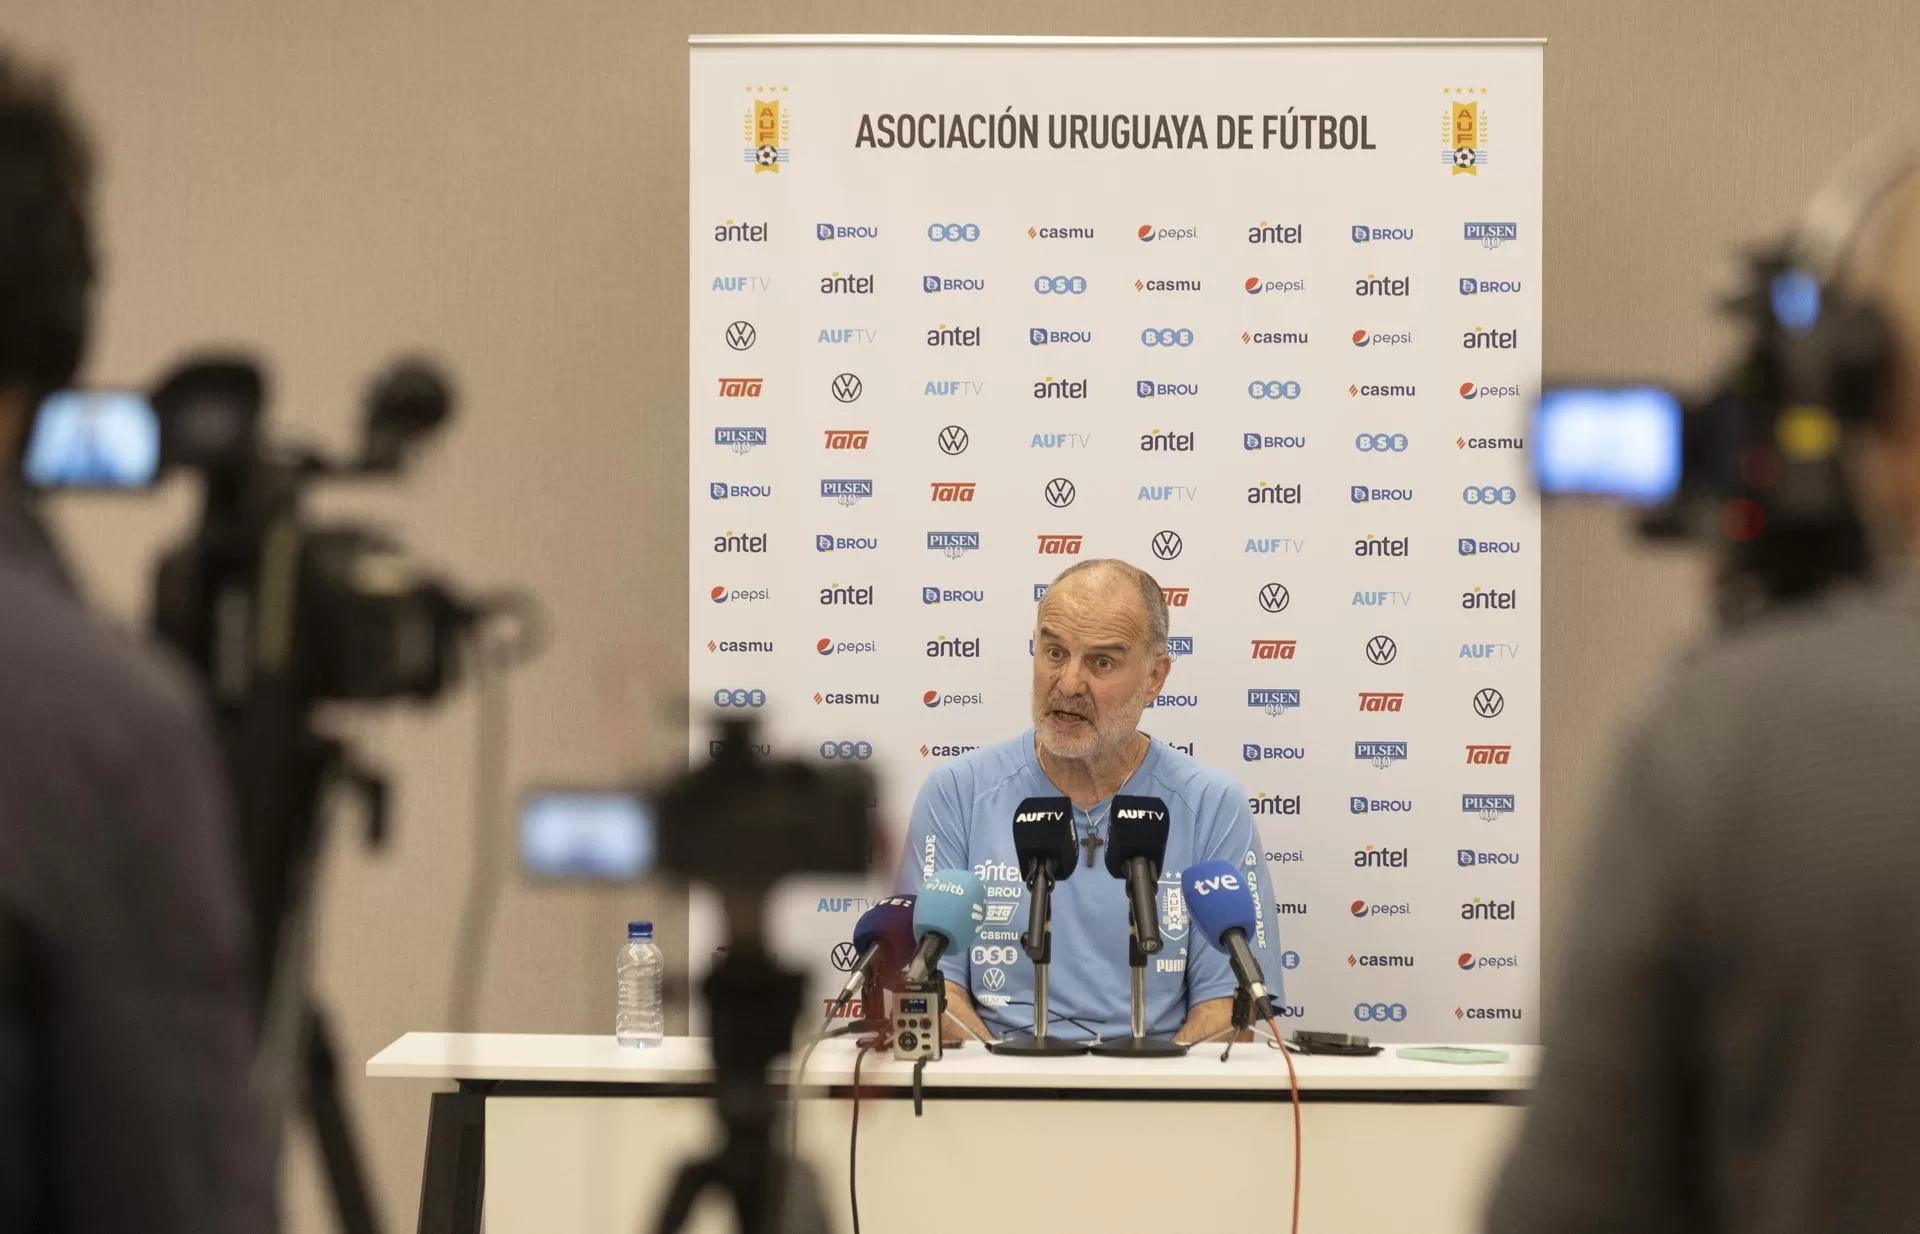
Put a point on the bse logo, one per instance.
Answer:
(1381, 443)
(1060, 285)
(739, 698)
(1273, 389)
(1380, 1013)
(843, 751)
(953, 232)
(1488, 495)
(1166, 336)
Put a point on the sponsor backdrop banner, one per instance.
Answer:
(1257, 317)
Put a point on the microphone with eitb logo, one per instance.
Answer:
(1136, 848)
(947, 913)
(1044, 844)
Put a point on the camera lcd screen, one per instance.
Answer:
(913, 1006)
(94, 439)
(1621, 443)
(586, 835)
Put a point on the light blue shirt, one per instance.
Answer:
(963, 819)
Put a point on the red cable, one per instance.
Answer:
(1293, 1082)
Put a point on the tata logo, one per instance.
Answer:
(1275, 807)
(843, 231)
(944, 648)
(950, 491)
(855, 597)
(1269, 545)
(740, 440)
(738, 595)
(739, 698)
(844, 751)
(1363, 338)
(1166, 284)
(1361, 493)
(1168, 492)
(1169, 443)
(846, 492)
(1059, 546)
(952, 595)
(1361, 908)
(1488, 287)
(847, 388)
(1470, 391)
(729, 492)
(1488, 548)
(831, 647)
(1488, 756)
(741, 387)
(1060, 285)
(1257, 286)
(1256, 753)
(1488, 806)
(1273, 702)
(1059, 494)
(1467, 858)
(935, 284)
(1381, 546)
(1273, 389)
(1380, 1013)
(1381, 443)
(1275, 648)
(1489, 651)
(1371, 858)
(1273, 441)
(1060, 441)
(838, 284)
(1041, 337)
(728, 542)
(741, 335)
(846, 439)
(843, 334)
(1264, 232)
(1378, 805)
(1477, 909)
(1164, 701)
(944, 335)
(1166, 336)
(1382, 599)
(1478, 339)
(933, 698)
(1491, 235)
(953, 233)
(1370, 391)
(952, 440)
(1490, 443)
(1274, 337)
(1479, 599)
(1488, 703)
(1180, 645)
(1268, 494)
(954, 389)
(1274, 597)
(1469, 961)
(1382, 700)
(731, 232)
(954, 544)
(845, 544)
(1384, 285)
(1381, 754)
(1149, 233)
(1166, 389)
(1176, 597)
(1049, 387)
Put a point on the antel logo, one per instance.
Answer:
(731, 232)
(1156, 441)
(1373, 286)
(1275, 806)
(1264, 232)
(1488, 910)
(838, 284)
(1480, 339)
(943, 648)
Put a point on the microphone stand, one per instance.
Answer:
(1038, 945)
(1138, 1044)
(873, 1014)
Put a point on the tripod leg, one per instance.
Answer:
(339, 1151)
(454, 1178)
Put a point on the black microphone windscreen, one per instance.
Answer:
(1137, 827)
(1043, 831)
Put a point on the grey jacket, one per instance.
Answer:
(1733, 1029)
(125, 1030)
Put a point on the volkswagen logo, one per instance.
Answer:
(1380, 443)
(994, 979)
(1274, 598)
(1166, 336)
(1381, 649)
(1060, 284)
(1059, 493)
(1488, 494)
(845, 957)
(847, 387)
(1489, 703)
(953, 440)
(1166, 545)
(741, 335)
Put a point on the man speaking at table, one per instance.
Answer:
(1099, 658)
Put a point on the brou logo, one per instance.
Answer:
(839, 544)
(842, 231)
(1488, 287)
(1375, 805)
(1273, 441)
(951, 595)
(1257, 753)
(934, 284)
(1362, 234)
(1467, 857)
(727, 492)
(1166, 389)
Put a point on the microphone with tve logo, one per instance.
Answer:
(1043, 842)
(947, 913)
(1221, 907)
(883, 937)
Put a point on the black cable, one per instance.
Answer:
(491, 660)
(853, 1145)
(1054, 1017)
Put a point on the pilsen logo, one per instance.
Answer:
(846, 439)
(740, 387)
(1378, 701)
(947, 491)
(766, 130)
(1274, 648)
(1485, 755)
(1060, 546)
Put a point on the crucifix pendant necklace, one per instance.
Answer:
(1092, 841)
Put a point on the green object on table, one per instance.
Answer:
(1450, 1054)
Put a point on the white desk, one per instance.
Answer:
(580, 1135)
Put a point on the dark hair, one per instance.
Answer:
(46, 240)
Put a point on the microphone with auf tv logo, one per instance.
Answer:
(1221, 907)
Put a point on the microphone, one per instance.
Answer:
(1222, 908)
(884, 938)
(1043, 843)
(947, 913)
(1136, 845)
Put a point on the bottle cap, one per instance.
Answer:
(639, 930)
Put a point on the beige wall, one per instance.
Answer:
(501, 184)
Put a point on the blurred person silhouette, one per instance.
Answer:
(1730, 1036)
(126, 1037)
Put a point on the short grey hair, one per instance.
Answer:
(1152, 598)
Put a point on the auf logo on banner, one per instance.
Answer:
(767, 129)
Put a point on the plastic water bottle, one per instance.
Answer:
(640, 1022)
